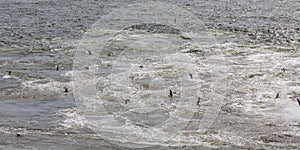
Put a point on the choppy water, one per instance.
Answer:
(234, 64)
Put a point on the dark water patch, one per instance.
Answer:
(154, 28)
(37, 122)
(42, 111)
(6, 83)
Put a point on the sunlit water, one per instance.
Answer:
(252, 43)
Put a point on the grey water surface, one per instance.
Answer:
(259, 41)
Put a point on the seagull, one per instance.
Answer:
(277, 95)
(191, 75)
(9, 72)
(18, 135)
(8, 75)
(127, 101)
(66, 90)
(57, 67)
(198, 101)
(90, 53)
(298, 101)
(170, 94)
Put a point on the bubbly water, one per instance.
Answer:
(150, 75)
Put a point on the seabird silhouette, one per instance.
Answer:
(298, 101)
(66, 90)
(90, 53)
(127, 101)
(198, 101)
(277, 95)
(9, 72)
(57, 67)
(191, 75)
(170, 94)
(18, 135)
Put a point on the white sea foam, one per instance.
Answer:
(7, 76)
(72, 119)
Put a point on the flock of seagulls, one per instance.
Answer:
(170, 95)
(66, 90)
(277, 95)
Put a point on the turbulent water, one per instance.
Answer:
(149, 75)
